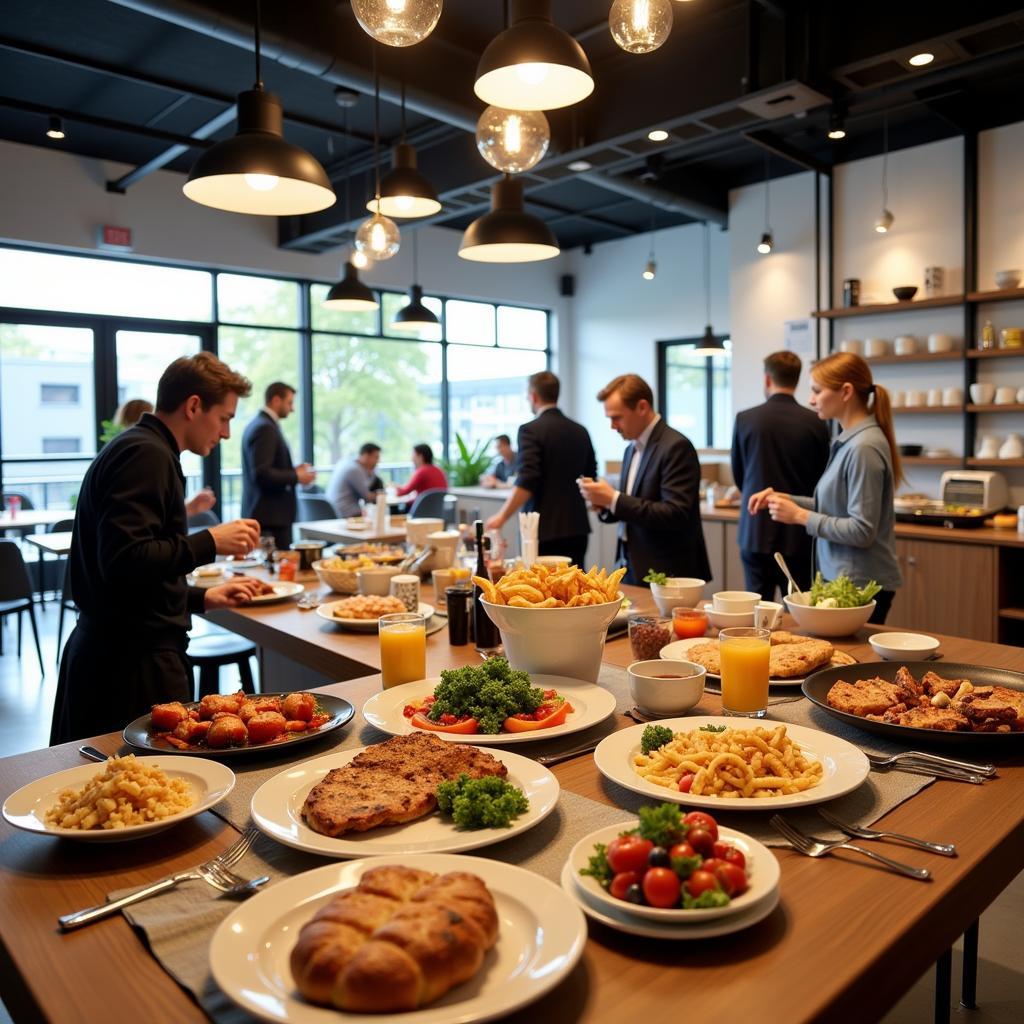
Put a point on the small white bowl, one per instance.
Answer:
(903, 646)
(658, 695)
(1007, 278)
(735, 601)
(827, 621)
(724, 620)
(677, 592)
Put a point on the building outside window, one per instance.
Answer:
(694, 394)
(58, 394)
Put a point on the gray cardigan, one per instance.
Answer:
(852, 513)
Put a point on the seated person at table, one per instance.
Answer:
(426, 476)
(504, 465)
(353, 481)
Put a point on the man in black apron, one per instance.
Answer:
(131, 551)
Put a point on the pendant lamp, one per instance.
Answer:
(640, 26)
(767, 243)
(405, 192)
(508, 234)
(885, 218)
(709, 345)
(512, 141)
(397, 22)
(256, 170)
(350, 293)
(415, 316)
(533, 64)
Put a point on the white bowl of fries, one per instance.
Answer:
(554, 621)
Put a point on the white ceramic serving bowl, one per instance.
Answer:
(677, 592)
(903, 646)
(555, 641)
(661, 696)
(735, 601)
(725, 620)
(376, 581)
(983, 392)
(1007, 278)
(827, 621)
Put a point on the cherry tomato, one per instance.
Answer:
(712, 864)
(720, 849)
(685, 782)
(733, 856)
(701, 881)
(622, 881)
(702, 841)
(628, 853)
(680, 850)
(698, 819)
(732, 878)
(661, 887)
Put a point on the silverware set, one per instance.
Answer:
(215, 872)
(917, 762)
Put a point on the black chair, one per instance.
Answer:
(312, 506)
(210, 649)
(67, 603)
(429, 504)
(16, 592)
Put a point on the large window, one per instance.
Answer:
(694, 394)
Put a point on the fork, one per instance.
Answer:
(215, 872)
(943, 849)
(924, 767)
(811, 846)
(942, 762)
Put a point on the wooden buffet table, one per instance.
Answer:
(845, 943)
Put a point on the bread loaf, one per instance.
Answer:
(397, 941)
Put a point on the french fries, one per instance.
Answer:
(543, 587)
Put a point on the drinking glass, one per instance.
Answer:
(689, 623)
(403, 649)
(743, 652)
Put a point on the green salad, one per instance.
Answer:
(841, 592)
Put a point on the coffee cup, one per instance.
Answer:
(905, 345)
(767, 614)
(940, 342)
(982, 393)
(1006, 395)
(874, 347)
(952, 396)
(309, 552)
(376, 581)
(935, 396)
(407, 589)
(852, 345)
(737, 602)
(915, 399)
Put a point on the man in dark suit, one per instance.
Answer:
(657, 504)
(780, 444)
(554, 451)
(268, 476)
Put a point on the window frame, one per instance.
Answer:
(663, 347)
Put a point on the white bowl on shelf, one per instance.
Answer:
(903, 646)
(827, 621)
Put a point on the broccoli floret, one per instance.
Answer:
(489, 802)
(490, 693)
(654, 736)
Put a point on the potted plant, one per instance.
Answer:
(465, 470)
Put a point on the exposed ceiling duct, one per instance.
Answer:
(657, 197)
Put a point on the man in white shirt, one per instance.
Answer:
(657, 503)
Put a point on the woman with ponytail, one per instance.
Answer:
(851, 514)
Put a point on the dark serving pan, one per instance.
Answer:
(817, 685)
(137, 733)
(948, 520)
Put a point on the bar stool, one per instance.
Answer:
(214, 648)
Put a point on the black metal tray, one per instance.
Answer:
(948, 520)
(817, 685)
(137, 733)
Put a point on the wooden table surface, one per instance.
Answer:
(845, 943)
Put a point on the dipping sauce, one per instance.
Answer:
(689, 622)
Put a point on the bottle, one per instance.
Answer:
(988, 336)
(485, 632)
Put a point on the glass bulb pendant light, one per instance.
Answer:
(508, 234)
(533, 64)
(884, 220)
(512, 141)
(360, 260)
(640, 26)
(397, 22)
(405, 192)
(257, 171)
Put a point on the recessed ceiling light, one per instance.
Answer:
(920, 59)
(580, 165)
(658, 135)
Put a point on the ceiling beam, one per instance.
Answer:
(774, 144)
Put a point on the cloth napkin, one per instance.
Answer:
(529, 525)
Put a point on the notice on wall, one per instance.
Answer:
(799, 337)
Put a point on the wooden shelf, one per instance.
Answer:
(992, 407)
(917, 357)
(1000, 295)
(995, 353)
(881, 308)
(916, 409)
(1011, 613)
(999, 463)
(923, 460)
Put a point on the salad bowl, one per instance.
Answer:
(827, 622)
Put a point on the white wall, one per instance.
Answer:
(618, 316)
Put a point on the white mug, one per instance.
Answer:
(736, 601)
(407, 589)
(935, 396)
(851, 345)
(940, 342)
(952, 396)
(876, 347)
(915, 399)
(767, 614)
(905, 345)
(982, 393)
(1006, 395)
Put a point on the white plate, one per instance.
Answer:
(193, 579)
(234, 564)
(541, 937)
(655, 930)
(281, 592)
(679, 649)
(26, 809)
(591, 704)
(845, 767)
(364, 625)
(277, 810)
(762, 877)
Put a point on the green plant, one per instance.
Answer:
(110, 430)
(465, 470)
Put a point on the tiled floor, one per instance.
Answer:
(26, 703)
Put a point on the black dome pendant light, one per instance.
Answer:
(256, 170)
(508, 234)
(709, 345)
(415, 316)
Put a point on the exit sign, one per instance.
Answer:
(118, 239)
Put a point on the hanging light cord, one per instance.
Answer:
(376, 124)
(259, 76)
(767, 191)
(403, 105)
(885, 160)
(415, 263)
(652, 232)
(707, 272)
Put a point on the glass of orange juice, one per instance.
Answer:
(743, 652)
(403, 648)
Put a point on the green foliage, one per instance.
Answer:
(490, 693)
(110, 430)
(598, 866)
(663, 824)
(489, 802)
(653, 737)
(467, 468)
(656, 577)
(841, 592)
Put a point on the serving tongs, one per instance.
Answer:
(413, 562)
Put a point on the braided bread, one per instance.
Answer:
(397, 941)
